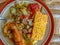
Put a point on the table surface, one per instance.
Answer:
(1, 43)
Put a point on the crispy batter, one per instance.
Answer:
(39, 27)
(17, 35)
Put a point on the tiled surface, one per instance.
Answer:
(54, 43)
(55, 9)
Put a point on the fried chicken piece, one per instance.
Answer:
(16, 35)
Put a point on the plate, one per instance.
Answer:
(49, 28)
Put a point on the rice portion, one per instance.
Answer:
(39, 27)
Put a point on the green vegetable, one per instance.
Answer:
(25, 4)
(24, 11)
(21, 26)
(21, 7)
(13, 10)
(25, 36)
(28, 40)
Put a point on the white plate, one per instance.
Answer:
(4, 13)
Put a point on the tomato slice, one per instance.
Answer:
(30, 16)
(33, 7)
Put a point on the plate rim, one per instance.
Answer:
(5, 4)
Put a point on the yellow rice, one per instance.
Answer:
(39, 27)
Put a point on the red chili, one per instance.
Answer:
(22, 16)
(30, 16)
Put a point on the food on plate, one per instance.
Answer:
(39, 27)
(25, 24)
(17, 35)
